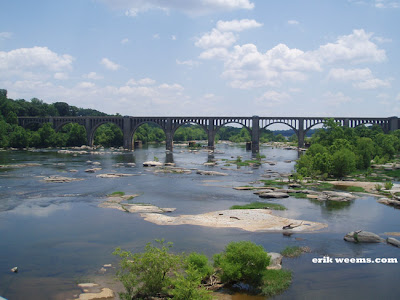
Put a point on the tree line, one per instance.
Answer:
(338, 151)
(107, 135)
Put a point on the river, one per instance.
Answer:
(57, 235)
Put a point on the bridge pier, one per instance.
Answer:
(127, 134)
(301, 134)
(89, 133)
(393, 123)
(255, 134)
(169, 135)
(211, 134)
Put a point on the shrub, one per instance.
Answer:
(243, 262)
(388, 185)
(378, 187)
(145, 274)
(187, 287)
(200, 263)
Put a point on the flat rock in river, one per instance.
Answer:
(276, 195)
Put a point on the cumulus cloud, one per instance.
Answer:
(93, 76)
(293, 22)
(272, 98)
(34, 62)
(354, 48)
(5, 35)
(215, 39)
(108, 64)
(335, 99)
(60, 76)
(237, 25)
(189, 63)
(124, 41)
(194, 7)
(246, 67)
(386, 4)
(361, 78)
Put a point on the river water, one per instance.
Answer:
(57, 235)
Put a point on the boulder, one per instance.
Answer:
(273, 195)
(105, 293)
(363, 237)
(275, 262)
(211, 173)
(393, 241)
(60, 179)
(390, 202)
(114, 175)
(152, 164)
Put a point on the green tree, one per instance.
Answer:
(243, 262)
(343, 162)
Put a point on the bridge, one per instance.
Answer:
(211, 125)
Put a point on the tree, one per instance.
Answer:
(343, 162)
(243, 262)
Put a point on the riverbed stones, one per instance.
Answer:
(361, 236)
(390, 202)
(60, 179)
(276, 195)
(393, 241)
(14, 270)
(275, 262)
(114, 175)
(211, 173)
(152, 163)
(105, 293)
(92, 170)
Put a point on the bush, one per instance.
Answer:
(145, 274)
(200, 263)
(243, 262)
(388, 185)
(187, 287)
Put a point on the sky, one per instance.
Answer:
(269, 58)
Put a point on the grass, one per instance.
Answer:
(276, 281)
(118, 193)
(357, 189)
(273, 182)
(292, 251)
(324, 186)
(393, 173)
(298, 195)
(260, 205)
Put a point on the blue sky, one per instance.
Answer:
(205, 57)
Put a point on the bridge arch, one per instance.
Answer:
(92, 129)
(140, 124)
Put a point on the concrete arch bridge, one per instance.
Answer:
(211, 125)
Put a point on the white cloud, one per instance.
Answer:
(108, 64)
(361, 78)
(272, 98)
(372, 83)
(215, 39)
(398, 97)
(189, 63)
(5, 35)
(146, 81)
(173, 37)
(354, 48)
(293, 22)
(386, 4)
(93, 76)
(193, 7)
(237, 25)
(85, 85)
(124, 41)
(245, 67)
(335, 99)
(156, 36)
(36, 62)
(60, 76)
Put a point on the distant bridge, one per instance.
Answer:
(211, 125)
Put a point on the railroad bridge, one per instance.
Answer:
(211, 125)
